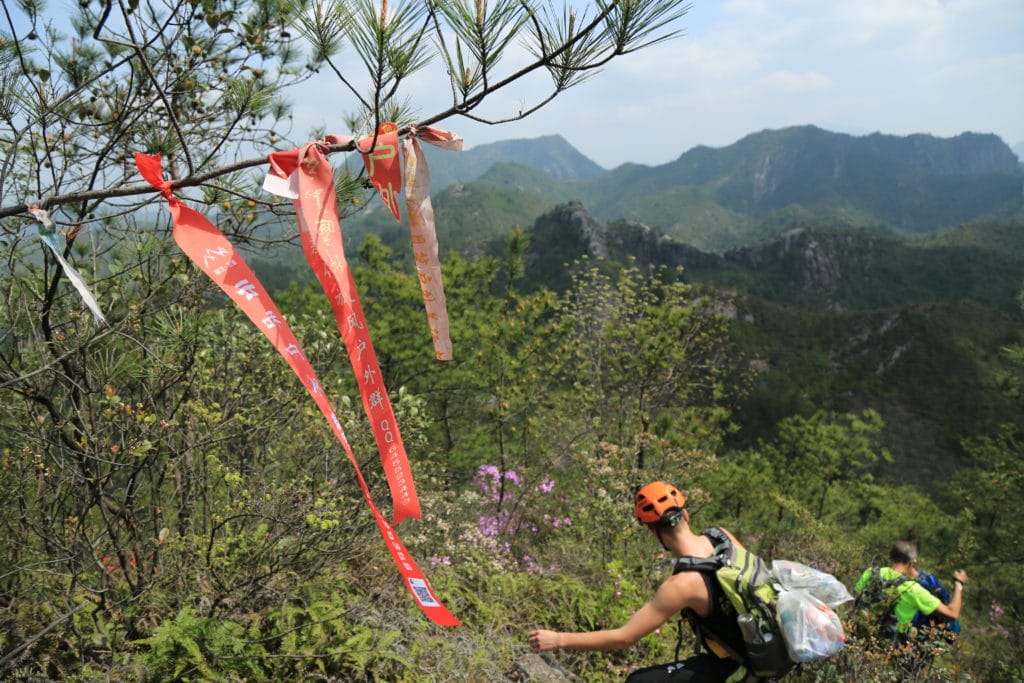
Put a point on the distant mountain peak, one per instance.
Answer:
(1018, 149)
(551, 154)
(550, 139)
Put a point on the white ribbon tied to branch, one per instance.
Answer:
(47, 234)
(423, 231)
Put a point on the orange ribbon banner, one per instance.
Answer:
(380, 156)
(210, 250)
(320, 230)
(424, 233)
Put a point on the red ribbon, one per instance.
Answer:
(217, 257)
(150, 170)
(317, 212)
(380, 156)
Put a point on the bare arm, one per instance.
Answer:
(952, 610)
(675, 593)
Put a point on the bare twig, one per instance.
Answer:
(11, 658)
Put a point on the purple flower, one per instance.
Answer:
(996, 611)
(488, 526)
(488, 471)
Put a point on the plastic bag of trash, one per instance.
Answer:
(795, 576)
(811, 628)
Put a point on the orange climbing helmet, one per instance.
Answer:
(655, 499)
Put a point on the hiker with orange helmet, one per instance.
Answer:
(662, 508)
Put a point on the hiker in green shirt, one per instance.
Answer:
(890, 598)
(898, 580)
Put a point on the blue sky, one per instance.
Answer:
(854, 66)
(940, 67)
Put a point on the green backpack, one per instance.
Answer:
(875, 607)
(746, 580)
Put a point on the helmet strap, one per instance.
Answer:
(657, 532)
(668, 524)
(671, 521)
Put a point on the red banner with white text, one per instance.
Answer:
(217, 257)
(380, 156)
(319, 228)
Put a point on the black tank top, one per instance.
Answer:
(720, 623)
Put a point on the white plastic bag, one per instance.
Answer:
(811, 628)
(825, 587)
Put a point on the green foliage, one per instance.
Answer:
(930, 371)
(189, 647)
(650, 357)
(814, 457)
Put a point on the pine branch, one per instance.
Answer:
(391, 43)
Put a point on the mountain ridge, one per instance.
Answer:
(806, 266)
(551, 154)
(718, 198)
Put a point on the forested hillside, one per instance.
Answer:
(845, 319)
(239, 549)
(856, 386)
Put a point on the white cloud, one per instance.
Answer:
(790, 82)
(895, 66)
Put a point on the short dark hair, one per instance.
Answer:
(903, 552)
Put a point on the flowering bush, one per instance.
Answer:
(517, 514)
(505, 520)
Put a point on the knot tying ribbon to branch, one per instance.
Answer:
(150, 169)
(42, 216)
(328, 141)
(437, 137)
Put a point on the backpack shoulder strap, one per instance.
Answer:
(876, 576)
(930, 582)
(719, 539)
(892, 583)
(722, 545)
(877, 587)
(721, 556)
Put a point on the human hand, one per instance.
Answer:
(541, 640)
(960, 575)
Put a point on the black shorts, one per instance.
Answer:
(705, 668)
